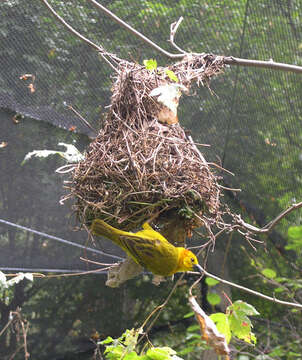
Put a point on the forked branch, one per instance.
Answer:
(268, 227)
(228, 60)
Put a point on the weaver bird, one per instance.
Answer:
(149, 249)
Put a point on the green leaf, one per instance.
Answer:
(240, 324)
(114, 352)
(186, 350)
(222, 323)
(132, 356)
(278, 351)
(253, 338)
(150, 64)
(279, 290)
(162, 353)
(131, 337)
(269, 273)
(192, 336)
(297, 355)
(193, 328)
(295, 233)
(213, 299)
(211, 282)
(171, 75)
(188, 315)
(246, 308)
(108, 340)
(295, 238)
(240, 327)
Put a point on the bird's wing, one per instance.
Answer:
(141, 249)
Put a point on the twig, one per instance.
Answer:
(196, 150)
(24, 332)
(135, 32)
(223, 169)
(81, 117)
(173, 29)
(230, 60)
(269, 225)
(16, 316)
(256, 293)
(270, 64)
(159, 308)
(227, 188)
(16, 352)
(194, 284)
(79, 273)
(174, 140)
(96, 262)
(7, 325)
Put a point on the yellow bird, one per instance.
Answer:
(149, 249)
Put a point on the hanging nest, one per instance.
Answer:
(142, 166)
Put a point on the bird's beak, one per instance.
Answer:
(198, 268)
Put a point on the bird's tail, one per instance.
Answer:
(100, 228)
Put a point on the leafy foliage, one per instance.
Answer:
(295, 238)
(235, 322)
(150, 64)
(124, 348)
(171, 75)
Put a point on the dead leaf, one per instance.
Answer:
(72, 128)
(31, 86)
(209, 331)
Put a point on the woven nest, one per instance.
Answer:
(138, 169)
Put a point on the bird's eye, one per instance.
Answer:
(193, 260)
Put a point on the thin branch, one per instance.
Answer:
(173, 29)
(12, 317)
(230, 60)
(81, 118)
(223, 169)
(227, 188)
(159, 309)
(96, 271)
(256, 293)
(135, 32)
(100, 49)
(271, 224)
(72, 30)
(270, 64)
